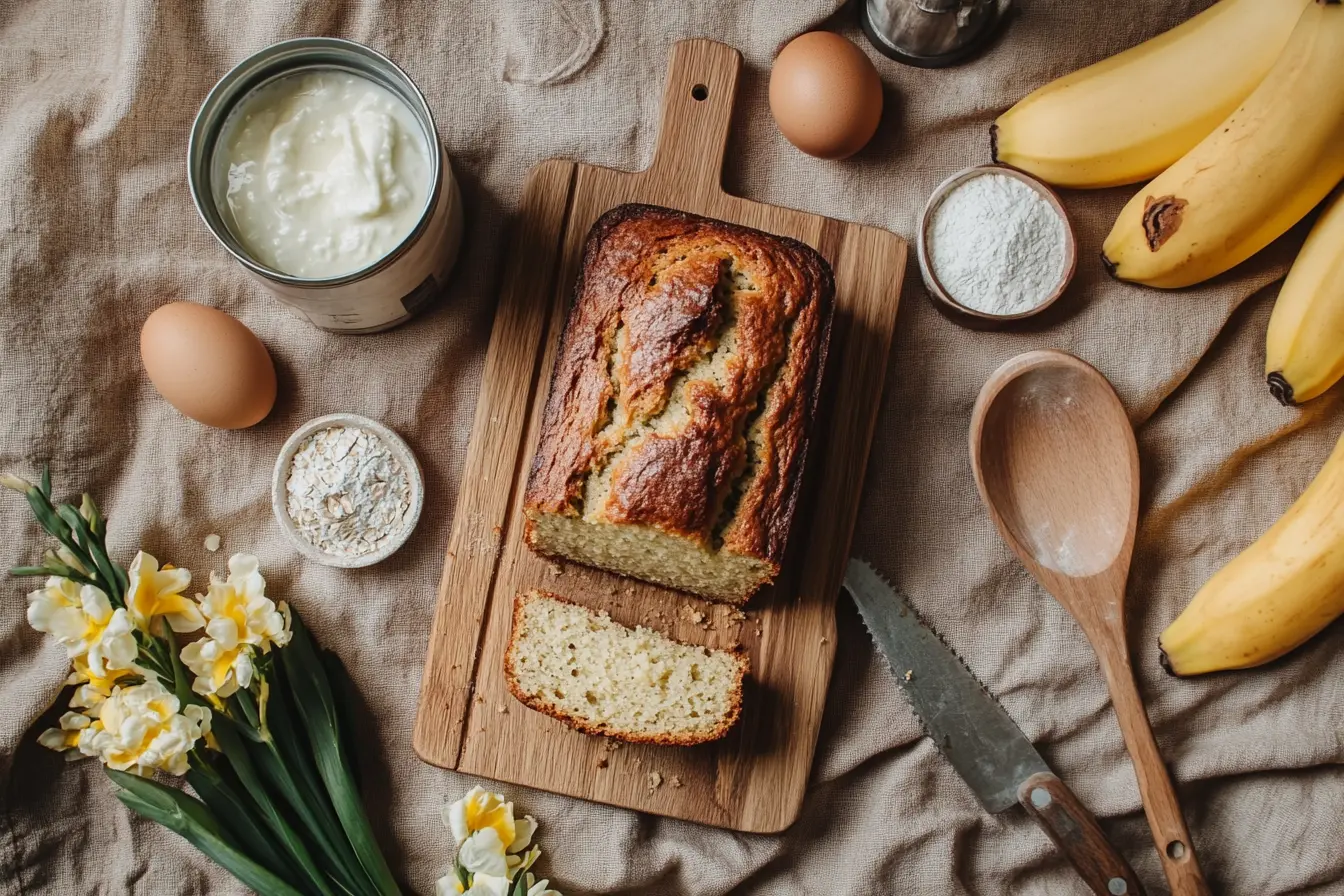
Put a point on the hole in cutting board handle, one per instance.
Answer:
(699, 93)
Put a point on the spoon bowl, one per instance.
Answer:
(1057, 466)
(1059, 463)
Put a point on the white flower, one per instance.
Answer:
(93, 689)
(479, 810)
(481, 885)
(239, 620)
(81, 618)
(139, 728)
(62, 555)
(17, 483)
(67, 736)
(540, 887)
(483, 853)
(158, 592)
(492, 844)
(487, 885)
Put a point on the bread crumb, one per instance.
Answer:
(825, 641)
(554, 569)
(212, 542)
(674, 781)
(501, 708)
(909, 674)
(655, 781)
(694, 615)
(601, 762)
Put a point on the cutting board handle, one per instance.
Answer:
(697, 108)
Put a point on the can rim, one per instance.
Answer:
(276, 61)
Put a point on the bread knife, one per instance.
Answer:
(979, 738)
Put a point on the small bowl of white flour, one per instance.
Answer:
(347, 491)
(995, 245)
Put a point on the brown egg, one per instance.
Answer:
(208, 365)
(825, 95)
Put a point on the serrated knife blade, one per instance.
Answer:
(979, 738)
(964, 721)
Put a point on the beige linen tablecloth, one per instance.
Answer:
(97, 229)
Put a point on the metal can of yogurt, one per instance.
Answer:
(392, 288)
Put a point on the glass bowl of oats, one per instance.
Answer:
(347, 491)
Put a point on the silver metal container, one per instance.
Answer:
(933, 33)
(391, 289)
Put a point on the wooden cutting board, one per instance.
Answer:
(754, 779)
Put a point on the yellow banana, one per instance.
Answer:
(1304, 351)
(1276, 594)
(1127, 118)
(1255, 176)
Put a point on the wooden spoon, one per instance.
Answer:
(1057, 466)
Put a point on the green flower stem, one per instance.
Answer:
(48, 519)
(320, 825)
(237, 816)
(194, 821)
(235, 750)
(115, 591)
(312, 695)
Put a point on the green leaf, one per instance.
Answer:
(44, 484)
(343, 693)
(113, 583)
(520, 884)
(238, 817)
(235, 750)
(312, 694)
(321, 826)
(54, 570)
(293, 744)
(54, 525)
(181, 680)
(190, 818)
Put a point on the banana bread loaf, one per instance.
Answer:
(635, 685)
(675, 435)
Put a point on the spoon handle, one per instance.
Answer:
(1159, 797)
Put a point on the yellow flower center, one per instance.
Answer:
(479, 817)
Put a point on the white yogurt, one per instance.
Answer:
(322, 173)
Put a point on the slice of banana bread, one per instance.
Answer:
(676, 431)
(635, 685)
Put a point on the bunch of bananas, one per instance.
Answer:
(1237, 117)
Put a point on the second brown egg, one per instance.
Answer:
(825, 95)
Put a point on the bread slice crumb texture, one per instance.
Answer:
(601, 677)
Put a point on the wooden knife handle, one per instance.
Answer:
(1052, 804)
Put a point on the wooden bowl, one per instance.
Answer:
(942, 298)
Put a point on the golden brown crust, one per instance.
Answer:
(648, 307)
(546, 707)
